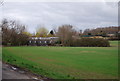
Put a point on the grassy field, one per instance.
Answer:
(66, 62)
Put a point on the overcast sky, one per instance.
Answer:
(82, 15)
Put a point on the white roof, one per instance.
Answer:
(44, 37)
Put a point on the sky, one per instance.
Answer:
(81, 15)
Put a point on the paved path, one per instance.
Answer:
(10, 72)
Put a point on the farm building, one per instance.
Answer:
(42, 41)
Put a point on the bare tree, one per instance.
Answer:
(66, 34)
(12, 33)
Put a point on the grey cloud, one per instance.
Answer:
(80, 14)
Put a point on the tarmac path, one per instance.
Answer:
(11, 72)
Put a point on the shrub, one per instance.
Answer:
(91, 42)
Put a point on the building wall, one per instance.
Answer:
(42, 41)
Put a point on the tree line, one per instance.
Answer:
(102, 31)
(70, 37)
(13, 33)
(16, 34)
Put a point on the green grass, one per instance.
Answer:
(66, 62)
(114, 43)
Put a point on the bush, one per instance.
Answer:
(91, 42)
